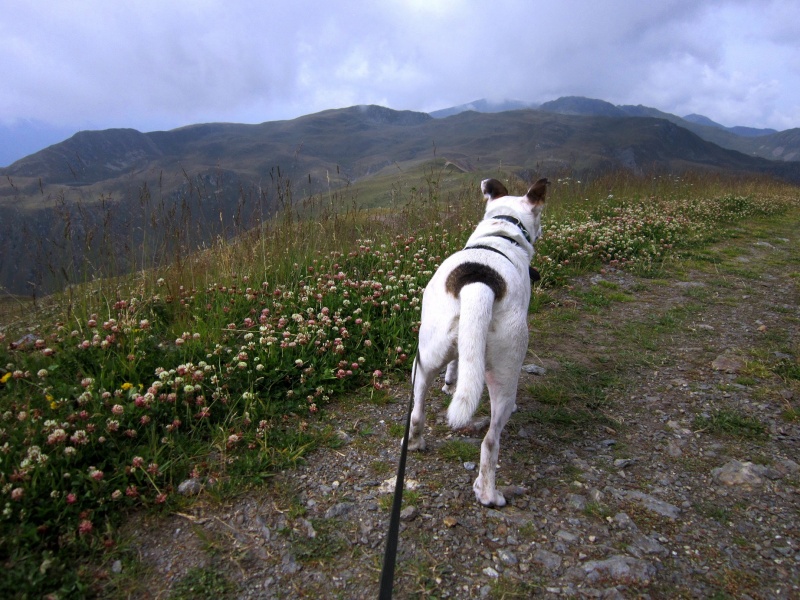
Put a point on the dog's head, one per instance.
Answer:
(532, 201)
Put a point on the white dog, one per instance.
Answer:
(475, 317)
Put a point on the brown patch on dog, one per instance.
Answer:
(538, 191)
(493, 189)
(470, 272)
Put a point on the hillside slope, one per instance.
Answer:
(94, 199)
(655, 468)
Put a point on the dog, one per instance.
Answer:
(475, 321)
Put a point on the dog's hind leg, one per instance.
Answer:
(502, 384)
(451, 377)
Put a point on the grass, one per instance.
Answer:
(571, 400)
(731, 423)
(220, 366)
(410, 498)
(326, 542)
(602, 295)
(459, 451)
(203, 583)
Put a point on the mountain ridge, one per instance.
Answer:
(23, 134)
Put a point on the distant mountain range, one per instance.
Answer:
(774, 149)
(32, 136)
(131, 188)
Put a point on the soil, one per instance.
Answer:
(656, 457)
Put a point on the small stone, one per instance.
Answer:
(190, 487)
(534, 369)
(116, 567)
(678, 428)
(306, 528)
(507, 557)
(577, 501)
(665, 509)
(409, 513)
(469, 466)
(290, 566)
(729, 364)
(549, 560)
(648, 545)
(566, 536)
(343, 437)
(450, 522)
(788, 466)
(621, 463)
(490, 572)
(620, 568)
(674, 449)
(387, 487)
(511, 491)
(339, 510)
(738, 474)
(623, 521)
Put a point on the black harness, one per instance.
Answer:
(534, 274)
(516, 222)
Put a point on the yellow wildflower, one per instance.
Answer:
(126, 386)
(5, 377)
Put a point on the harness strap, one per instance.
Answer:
(482, 247)
(533, 273)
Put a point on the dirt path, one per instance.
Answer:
(656, 457)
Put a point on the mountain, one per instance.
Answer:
(577, 105)
(733, 138)
(783, 145)
(738, 130)
(702, 120)
(23, 137)
(89, 156)
(125, 199)
(484, 106)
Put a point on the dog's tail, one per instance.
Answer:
(477, 301)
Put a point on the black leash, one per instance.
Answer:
(390, 554)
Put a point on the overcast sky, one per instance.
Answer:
(160, 64)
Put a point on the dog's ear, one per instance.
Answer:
(538, 191)
(493, 189)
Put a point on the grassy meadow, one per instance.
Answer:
(219, 366)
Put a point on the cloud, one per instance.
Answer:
(149, 64)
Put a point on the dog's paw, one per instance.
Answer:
(488, 497)
(492, 499)
(416, 444)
